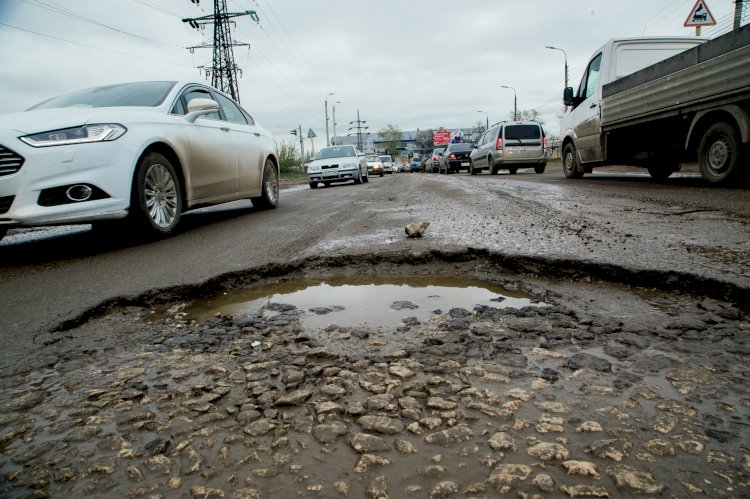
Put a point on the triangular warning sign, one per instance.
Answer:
(700, 15)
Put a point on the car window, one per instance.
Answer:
(522, 132)
(460, 147)
(145, 93)
(196, 93)
(590, 81)
(337, 152)
(231, 111)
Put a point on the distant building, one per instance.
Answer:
(371, 141)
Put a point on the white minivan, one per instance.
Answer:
(510, 145)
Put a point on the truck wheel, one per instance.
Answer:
(313, 185)
(570, 162)
(719, 153)
(512, 170)
(539, 169)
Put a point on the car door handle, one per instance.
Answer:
(592, 106)
(224, 129)
(256, 134)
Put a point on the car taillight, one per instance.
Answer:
(499, 145)
(452, 156)
(434, 158)
(544, 141)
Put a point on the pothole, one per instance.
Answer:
(374, 301)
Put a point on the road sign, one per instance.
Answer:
(700, 15)
(310, 133)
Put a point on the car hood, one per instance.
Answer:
(42, 120)
(333, 161)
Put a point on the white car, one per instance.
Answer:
(141, 152)
(337, 164)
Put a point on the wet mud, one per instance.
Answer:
(615, 383)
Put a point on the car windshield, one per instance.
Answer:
(461, 147)
(336, 152)
(385, 158)
(522, 132)
(370, 159)
(144, 93)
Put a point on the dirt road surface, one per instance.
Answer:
(624, 375)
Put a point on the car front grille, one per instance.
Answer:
(5, 203)
(328, 167)
(10, 162)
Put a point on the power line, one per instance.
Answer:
(91, 46)
(57, 9)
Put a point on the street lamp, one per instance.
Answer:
(566, 61)
(334, 121)
(515, 102)
(487, 126)
(328, 137)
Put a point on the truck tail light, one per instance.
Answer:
(544, 141)
(499, 145)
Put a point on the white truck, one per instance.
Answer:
(657, 102)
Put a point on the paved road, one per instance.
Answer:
(52, 275)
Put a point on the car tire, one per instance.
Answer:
(720, 153)
(366, 178)
(491, 165)
(539, 169)
(156, 198)
(381, 173)
(3, 231)
(327, 184)
(512, 170)
(570, 162)
(358, 178)
(269, 196)
(313, 185)
(472, 171)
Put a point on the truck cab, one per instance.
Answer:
(581, 124)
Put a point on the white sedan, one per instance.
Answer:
(142, 153)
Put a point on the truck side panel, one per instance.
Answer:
(698, 54)
(719, 80)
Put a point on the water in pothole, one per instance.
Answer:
(365, 300)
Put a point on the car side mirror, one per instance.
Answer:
(568, 96)
(200, 107)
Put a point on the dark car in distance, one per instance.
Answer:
(455, 158)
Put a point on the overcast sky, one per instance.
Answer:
(410, 63)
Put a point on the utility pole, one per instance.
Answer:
(295, 131)
(223, 70)
(334, 121)
(359, 129)
(328, 137)
(737, 13)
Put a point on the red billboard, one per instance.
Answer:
(441, 137)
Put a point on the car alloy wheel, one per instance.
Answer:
(269, 197)
(157, 196)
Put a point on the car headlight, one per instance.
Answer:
(314, 169)
(76, 135)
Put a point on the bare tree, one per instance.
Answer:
(392, 137)
(527, 115)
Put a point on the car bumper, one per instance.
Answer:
(332, 176)
(106, 167)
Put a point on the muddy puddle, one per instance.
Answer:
(374, 301)
(333, 386)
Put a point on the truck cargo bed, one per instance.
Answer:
(710, 74)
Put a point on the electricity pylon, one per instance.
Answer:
(223, 70)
